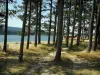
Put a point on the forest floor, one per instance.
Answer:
(39, 60)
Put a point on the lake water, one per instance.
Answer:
(17, 38)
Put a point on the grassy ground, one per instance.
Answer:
(38, 61)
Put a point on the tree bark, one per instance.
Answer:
(23, 33)
(56, 37)
(60, 24)
(83, 29)
(99, 32)
(74, 22)
(28, 39)
(80, 20)
(55, 26)
(39, 33)
(35, 44)
(96, 30)
(49, 34)
(99, 36)
(6, 28)
(67, 35)
(91, 28)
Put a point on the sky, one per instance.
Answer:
(14, 21)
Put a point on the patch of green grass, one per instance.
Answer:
(86, 72)
(9, 64)
(88, 56)
(83, 46)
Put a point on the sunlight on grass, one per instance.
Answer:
(86, 55)
(86, 72)
(2, 54)
(17, 69)
(9, 64)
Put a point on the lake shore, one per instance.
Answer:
(16, 45)
(31, 42)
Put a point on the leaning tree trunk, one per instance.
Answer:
(50, 23)
(23, 32)
(74, 22)
(91, 28)
(80, 20)
(6, 28)
(96, 30)
(39, 32)
(28, 39)
(60, 24)
(67, 35)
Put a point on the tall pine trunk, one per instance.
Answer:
(55, 26)
(49, 34)
(74, 22)
(36, 29)
(99, 32)
(99, 36)
(28, 39)
(39, 32)
(59, 36)
(83, 28)
(56, 36)
(67, 35)
(96, 30)
(80, 20)
(23, 32)
(6, 28)
(91, 28)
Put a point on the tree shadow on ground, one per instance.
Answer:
(9, 64)
(94, 63)
(48, 45)
(12, 52)
(6, 65)
(98, 47)
(52, 67)
(81, 47)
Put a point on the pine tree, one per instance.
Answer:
(6, 28)
(91, 28)
(29, 25)
(60, 24)
(23, 32)
(49, 34)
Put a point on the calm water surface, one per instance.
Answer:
(17, 38)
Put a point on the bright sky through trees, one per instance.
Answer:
(14, 21)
